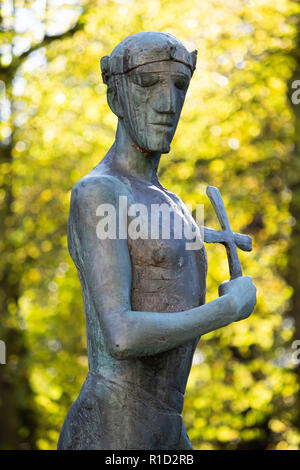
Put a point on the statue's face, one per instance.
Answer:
(151, 97)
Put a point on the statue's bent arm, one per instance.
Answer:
(129, 333)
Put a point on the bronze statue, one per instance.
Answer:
(144, 296)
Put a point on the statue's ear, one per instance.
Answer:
(113, 102)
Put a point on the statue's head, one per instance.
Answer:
(147, 75)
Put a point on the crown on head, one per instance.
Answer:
(124, 59)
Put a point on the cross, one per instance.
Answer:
(227, 237)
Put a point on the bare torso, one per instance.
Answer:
(165, 278)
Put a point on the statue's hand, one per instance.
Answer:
(243, 291)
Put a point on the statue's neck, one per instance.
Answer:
(125, 157)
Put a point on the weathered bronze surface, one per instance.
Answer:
(144, 297)
(226, 237)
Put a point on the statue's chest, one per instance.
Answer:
(160, 230)
(165, 271)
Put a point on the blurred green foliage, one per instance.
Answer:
(236, 132)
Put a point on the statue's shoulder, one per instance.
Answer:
(95, 189)
(175, 198)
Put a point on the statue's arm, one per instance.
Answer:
(106, 267)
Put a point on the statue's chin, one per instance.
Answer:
(152, 147)
(160, 148)
(166, 150)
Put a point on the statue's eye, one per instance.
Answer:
(145, 79)
(181, 84)
(148, 80)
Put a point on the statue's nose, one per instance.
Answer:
(166, 100)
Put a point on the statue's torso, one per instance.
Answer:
(166, 277)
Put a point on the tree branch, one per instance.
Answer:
(7, 73)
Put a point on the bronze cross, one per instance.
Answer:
(227, 237)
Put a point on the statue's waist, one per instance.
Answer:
(120, 416)
(161, 378)
(164, 399)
